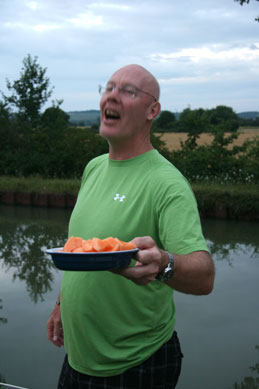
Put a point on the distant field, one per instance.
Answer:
(172, 139)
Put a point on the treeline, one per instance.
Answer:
(169, 121)
(50, 151)
(202, 119)
(44, 144)
(249, 122)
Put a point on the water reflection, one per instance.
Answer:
(25, 233)
(226, 238)
(229, 313)
(2, 319)
(23, 245)
(2, 380)
(250, 382)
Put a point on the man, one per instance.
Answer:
(119, 327)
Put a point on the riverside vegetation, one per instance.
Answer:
(224, 180)
(43, 153)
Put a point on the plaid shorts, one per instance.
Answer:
(160, 371)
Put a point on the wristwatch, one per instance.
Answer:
(168, 272)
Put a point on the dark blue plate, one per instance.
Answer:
(91, 261)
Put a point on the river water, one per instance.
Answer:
(219, 333)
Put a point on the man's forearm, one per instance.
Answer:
(194, 273)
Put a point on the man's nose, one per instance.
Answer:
(114, 93)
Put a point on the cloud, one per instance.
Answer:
(33, 27)
(87, 20)
(112, 6)
(214, 53)
(211, 70)
(32, 5)
(204, 52)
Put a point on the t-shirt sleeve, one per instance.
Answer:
(179, 225)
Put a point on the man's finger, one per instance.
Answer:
(57, 332)
(137, 271)
(144, 242)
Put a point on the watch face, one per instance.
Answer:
(168, 272)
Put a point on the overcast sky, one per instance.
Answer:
(204, 53)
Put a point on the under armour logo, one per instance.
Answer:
(118, 197)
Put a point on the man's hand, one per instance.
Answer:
(194, 273)
(150, 261)
(54, 327)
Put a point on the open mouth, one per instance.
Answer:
(110, 114)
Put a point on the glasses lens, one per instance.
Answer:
(105, 89)
(128, 91)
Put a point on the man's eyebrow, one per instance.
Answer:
(123, 84)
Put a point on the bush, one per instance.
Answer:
(49, 153)
(55, 150)
(217, 162)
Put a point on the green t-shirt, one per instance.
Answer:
(111, 324)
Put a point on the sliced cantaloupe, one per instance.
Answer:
(107, 244)
(79, 245)
(87, 245)
(72, 244)
(78, 250)
(112, 244)
(127, 245)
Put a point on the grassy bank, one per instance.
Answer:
(228, 201)
(214, 200)
(38, 185)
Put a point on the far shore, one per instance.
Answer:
(213, 201)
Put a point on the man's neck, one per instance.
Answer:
(127, 152)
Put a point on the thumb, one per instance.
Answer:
(144, 242)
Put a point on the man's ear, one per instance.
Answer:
(154, 110)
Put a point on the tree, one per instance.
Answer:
(4, 115)
(30, 92)
(194, 121)
(164, 122)
(55, 117)
(225, 118)
(241, 2)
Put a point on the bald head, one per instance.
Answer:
(128, 106)
(142, 77)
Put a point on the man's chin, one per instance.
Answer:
(108, 132)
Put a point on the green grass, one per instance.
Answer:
(38, 185)
(71, 186)
(227, 187)
(239, 201)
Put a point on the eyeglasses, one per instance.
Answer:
(128, 91)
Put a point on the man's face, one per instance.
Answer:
(122, 115)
